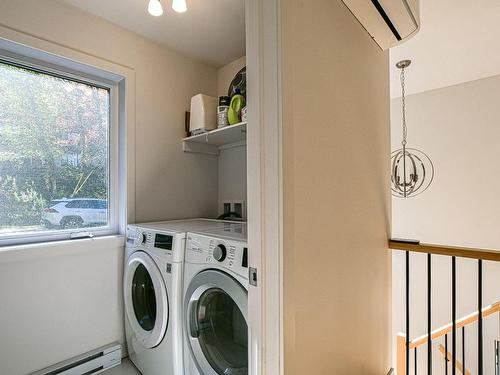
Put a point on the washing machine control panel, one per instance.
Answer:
(150, 239)
(137, 237)
(221, 252)
(134, 237)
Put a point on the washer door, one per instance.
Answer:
(146, 299)
(217, 325)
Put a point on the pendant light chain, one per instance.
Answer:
(403, 105)
(412, 170)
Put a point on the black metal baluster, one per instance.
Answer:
(446, 354)
(429, 315)
(407, 313)
(463, 350)
(454, 314)
(415, 351)
(480, 317)
(497, 359)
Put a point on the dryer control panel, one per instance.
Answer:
(220, 252)
(161, 242)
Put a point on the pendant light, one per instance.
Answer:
(155, 8)
(179, 6)
(412, 170)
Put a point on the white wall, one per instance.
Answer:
(86, 277)
(455, 44)
(457, 127)
(58, 300)
(232, 161)
(232, 175)
(226, 74)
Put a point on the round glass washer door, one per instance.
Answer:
(146, 299)
(217, 325)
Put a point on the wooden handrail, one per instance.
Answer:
(465, 321)
(464, 252)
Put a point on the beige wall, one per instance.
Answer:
(457, 127)
(336, 147)
(67, 299)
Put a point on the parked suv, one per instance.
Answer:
(76, 213)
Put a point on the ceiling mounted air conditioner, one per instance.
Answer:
(389, 22)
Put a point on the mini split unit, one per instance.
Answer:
(389, 22)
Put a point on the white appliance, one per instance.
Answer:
(389, 22)
(152, 287)
(216, 302)
(203, 115)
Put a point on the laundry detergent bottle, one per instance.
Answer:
(234, 112)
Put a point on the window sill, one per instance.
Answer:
(59, 248)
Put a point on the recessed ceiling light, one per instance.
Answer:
(155, 8)
(179, 6)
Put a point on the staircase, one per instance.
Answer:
(444, 339)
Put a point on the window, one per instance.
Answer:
(55, 154)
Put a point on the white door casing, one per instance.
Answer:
(264, 184)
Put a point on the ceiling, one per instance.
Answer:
(212, 31)
(458, 42)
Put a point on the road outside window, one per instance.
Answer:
(54, 153)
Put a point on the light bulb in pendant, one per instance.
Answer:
(155, 8)
(179, 6)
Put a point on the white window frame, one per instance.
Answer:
(43, 62)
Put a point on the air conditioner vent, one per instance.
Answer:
(389, 22)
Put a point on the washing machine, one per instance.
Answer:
(216, 302)
(152, 287)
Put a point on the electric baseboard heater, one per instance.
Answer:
(93, 362)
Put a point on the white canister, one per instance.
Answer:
(222, 119)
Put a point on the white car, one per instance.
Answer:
(76, 213)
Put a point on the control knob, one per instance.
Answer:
(219, 253)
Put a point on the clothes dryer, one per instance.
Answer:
(216, 302)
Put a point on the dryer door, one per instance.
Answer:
(217, 325)
(146, 299)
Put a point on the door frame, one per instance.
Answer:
(264, 183)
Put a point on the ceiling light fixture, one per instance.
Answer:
(412, 170)
(179, 6)
(155, 8)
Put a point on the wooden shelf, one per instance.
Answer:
(211, 142)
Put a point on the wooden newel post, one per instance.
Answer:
(401, 354)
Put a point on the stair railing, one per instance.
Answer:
(403, 343)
